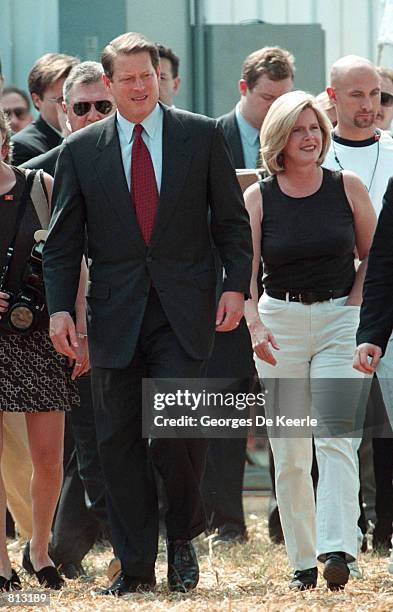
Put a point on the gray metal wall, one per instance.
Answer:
(227, 46)
(86, 26)
(166, 22)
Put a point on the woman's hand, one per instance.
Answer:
(261, 338)
(82, 362)
(352, 301)
(4, 297)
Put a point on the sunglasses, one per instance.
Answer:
(20, 113)
(386, 99)
(102, 106)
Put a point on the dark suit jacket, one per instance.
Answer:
(376, 314)
(90, 187)
(47, 161)
(232, 134)
(33, 140)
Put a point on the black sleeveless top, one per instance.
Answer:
(307, 243)
(24, 240)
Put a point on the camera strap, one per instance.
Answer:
(19, 216)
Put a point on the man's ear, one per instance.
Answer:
(331, 92)
(176, 85)
(36, 101)
(107, 82)
(243, 87)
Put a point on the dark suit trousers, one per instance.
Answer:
(81, 515)
(126, 457)
(223, 479)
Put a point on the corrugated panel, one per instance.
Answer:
(351, 26)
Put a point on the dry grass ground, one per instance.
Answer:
(246, 578)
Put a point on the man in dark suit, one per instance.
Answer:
(266, 74)
(45, 83)
(81, 514)
(143, 183)
(376, 313)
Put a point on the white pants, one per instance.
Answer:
(317, 344)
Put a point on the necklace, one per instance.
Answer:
(377, 136)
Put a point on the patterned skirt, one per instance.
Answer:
(33, 376)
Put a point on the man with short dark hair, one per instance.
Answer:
(266, 74)
(169, 74)
(45, 82)
(16, 105)
(143, 184)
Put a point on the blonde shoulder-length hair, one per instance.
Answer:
(279, 122)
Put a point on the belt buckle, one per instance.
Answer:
(306, 299)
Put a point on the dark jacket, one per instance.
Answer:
(47, 161)
(90, 188)
(232, 134)
(376, 313)
(35, 139)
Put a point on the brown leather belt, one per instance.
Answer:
(308, 297)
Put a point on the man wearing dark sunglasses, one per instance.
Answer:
(16, 106)
(384, 116)
(85, 100)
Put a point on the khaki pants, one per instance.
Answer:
(16, 468)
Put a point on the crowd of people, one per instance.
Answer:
(127, 251)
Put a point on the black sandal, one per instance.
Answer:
(47, 576)
(10, 584)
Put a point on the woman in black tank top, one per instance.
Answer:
(307, 225)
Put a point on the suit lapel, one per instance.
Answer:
(109, 165)
(236, 142)
(176, 158)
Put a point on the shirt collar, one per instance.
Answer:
(250, 133)
(150, 123)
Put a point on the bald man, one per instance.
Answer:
(357, 145)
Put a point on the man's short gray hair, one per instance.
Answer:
(84, 73)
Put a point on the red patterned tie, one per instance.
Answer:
(144, 193)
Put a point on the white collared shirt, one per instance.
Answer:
(250, 139)
(152, 137)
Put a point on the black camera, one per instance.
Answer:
(26, 306)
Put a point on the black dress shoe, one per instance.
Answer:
(336, 572)
(183, 569)
(130, 584)
(10, 584)
(48, 576)
(304, 579)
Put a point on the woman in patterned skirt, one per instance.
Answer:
(34, 379)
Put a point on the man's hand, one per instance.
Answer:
(82, 364)
(361, 358)
(230, 311)
(3, 302)
(63, 335)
